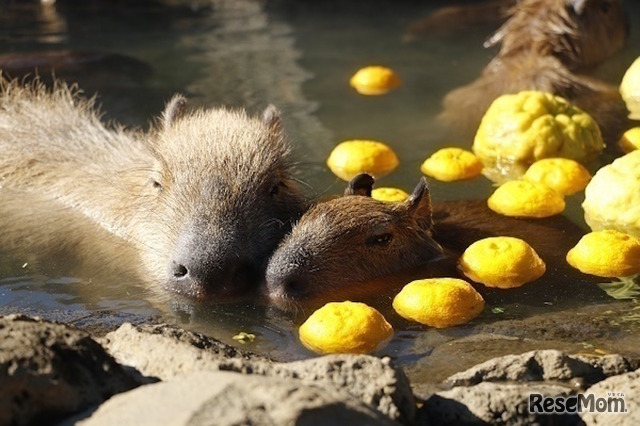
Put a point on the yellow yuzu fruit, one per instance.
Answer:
(352, 157)
(345, 327)
(630, 89)
(439, 302)
(607, 253)
(563, 175)
(389, 194)
(630, 140)
(503, 262)
(450, 164)
(374, 80)
(523, 198)
(612, 198)
(531, 125)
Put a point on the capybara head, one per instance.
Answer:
(340, 244)
(223, 195)
(578, 32)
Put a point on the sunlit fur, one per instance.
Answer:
(549, 45)
(213, 186)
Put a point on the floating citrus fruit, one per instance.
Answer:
(607, 253)
(350, 158)
(439, 302)
(345, 327)
(374, 80)
(389, 194)
(612, 198)
(530, 125)
(630, 89)
(450, 164)
(522, 198)
(503, 262)
(630, 140)
(563, 175)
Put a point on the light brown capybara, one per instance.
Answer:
(201, 201)
(355, 246)
(549, 45)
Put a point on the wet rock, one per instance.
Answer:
(224, 398)
(494, 403)
(372, 380)
(540, 366)
(629, 385)
(49, 370)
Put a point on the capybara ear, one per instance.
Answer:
(173, 110)
(271, 117)
(361, 184)
(419, 204)
(578, 5)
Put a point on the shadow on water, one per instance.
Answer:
(135, 55)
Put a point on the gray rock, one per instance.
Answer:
(164, 351)
(173, 352)
(542, 365)
(223, 398)
(493, 403)
(370, 379)
(629, 385)
(49, 370)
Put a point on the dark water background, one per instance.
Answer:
(299, 56)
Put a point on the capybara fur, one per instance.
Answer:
(549, 45)
(458, 17)
(350, 240)
(355, 246)
(203, 198)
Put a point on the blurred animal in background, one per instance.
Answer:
(549, 45)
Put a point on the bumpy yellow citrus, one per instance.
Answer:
(630, 141)
(530, 125)
(450, 164)
(503, 262)
(612, 198)
(345, 327)
(374, 80)
(353, 157)
(391, 195)
(607, 253)
(564, 176)
(439, 302)
(630, 89)
(522, 198)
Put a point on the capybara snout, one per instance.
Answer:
(350, 240)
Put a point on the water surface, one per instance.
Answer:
(243, 53)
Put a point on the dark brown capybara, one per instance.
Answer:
(458, 17)
(355, 246)
(549, 45)
(350, 240)
(203, 199)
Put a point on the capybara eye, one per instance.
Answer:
(156, 185)
(379, 240)
(275, 189)
(605, 6)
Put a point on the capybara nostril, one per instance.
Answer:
(294, 286)
(179, 271)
